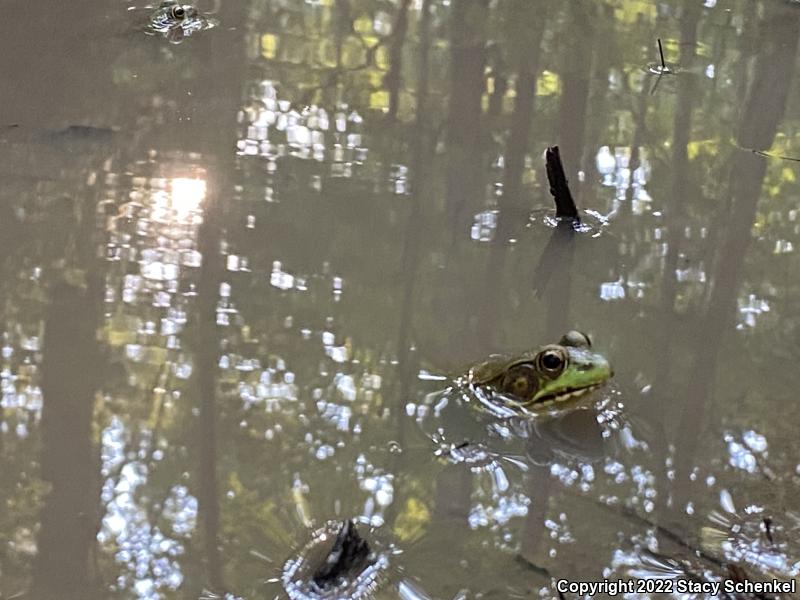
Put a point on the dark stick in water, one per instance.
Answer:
(661, 53)
(565, 205)
(350, 553)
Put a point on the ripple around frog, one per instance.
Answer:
(475, 427)
(176, 22)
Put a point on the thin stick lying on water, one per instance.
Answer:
(565, 205)
(769, 155)
(661, 53)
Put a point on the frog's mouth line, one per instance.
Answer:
(561, 396)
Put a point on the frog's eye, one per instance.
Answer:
(521, 381)
(551, 361)
(178, 12)
(576, 339)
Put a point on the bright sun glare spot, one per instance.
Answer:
(187, 195)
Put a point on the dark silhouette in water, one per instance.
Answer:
(559, 188)
(69, 461)
(558, 254)
(349, 556)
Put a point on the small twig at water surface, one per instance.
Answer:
(559, 188)
(661, 69)
(768, 529)
(661, 53)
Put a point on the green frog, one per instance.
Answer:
(553, 378)
(176, 21)
(538, 405)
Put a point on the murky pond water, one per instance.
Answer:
(245, 273)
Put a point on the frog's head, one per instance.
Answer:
(181, 12)
(176, 21)
(171, 15)
(556, 373)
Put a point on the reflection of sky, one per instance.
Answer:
(153, 264)
(750, 309)
(20, 394)
(742, 527)
(737, 529)
(615, 169)
(379, 487)
(155, 228)
(274, 128)
(149, 554)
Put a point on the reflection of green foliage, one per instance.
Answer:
(21, 497)
(410, 523)
(254, 527)
(151, 63)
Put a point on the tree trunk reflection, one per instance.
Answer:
(763, 112)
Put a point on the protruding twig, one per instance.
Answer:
(661, 53)
(350, 553)
(565, 205)
(768, 529)
(661, 69)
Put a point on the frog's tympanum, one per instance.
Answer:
(177, 21)
(552, 378)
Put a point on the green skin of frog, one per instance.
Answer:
(555, 377)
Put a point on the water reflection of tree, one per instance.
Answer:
(55, 243)
(682, 176)
(525, 58)
(762, 114)
(468, 36)
(579, 39)
(69, 464)
(679, 197)
(206, 385)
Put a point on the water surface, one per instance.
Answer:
(237, 269)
